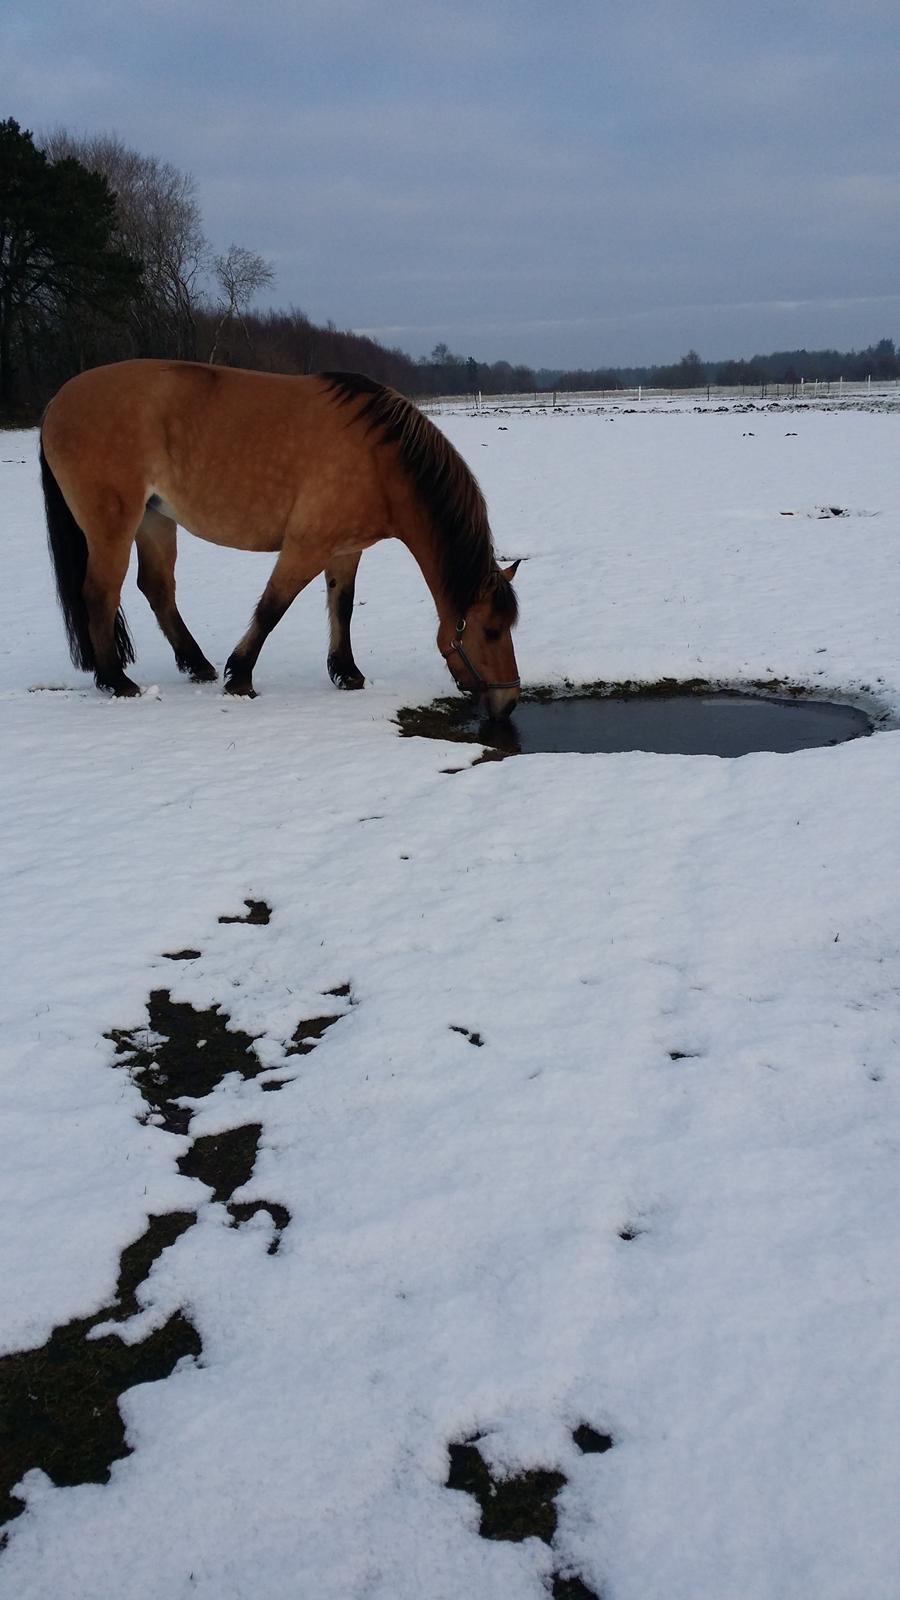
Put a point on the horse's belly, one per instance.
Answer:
(224, 529)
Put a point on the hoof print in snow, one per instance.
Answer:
(591, 1442)
(258, 914)
(61, 1401)
(511, 1508)
(684, 1055)
(629, 1232)
(182, 955)
(242, 1210)
(473, 1038)
(182, 1051)
(342, 992)
(224, 1161)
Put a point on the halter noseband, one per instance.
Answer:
(479, 682)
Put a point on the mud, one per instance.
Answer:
(60, 1408)
(524, 1506)
(60, 1403)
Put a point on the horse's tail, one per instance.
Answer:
(68, 548)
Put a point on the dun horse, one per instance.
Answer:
(316, 469)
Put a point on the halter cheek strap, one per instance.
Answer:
(478, 681)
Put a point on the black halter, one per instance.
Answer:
(479, 682)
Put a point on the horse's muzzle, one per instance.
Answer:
(500, 703)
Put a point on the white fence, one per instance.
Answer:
(884, 393)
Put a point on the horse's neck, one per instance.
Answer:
(424, 550)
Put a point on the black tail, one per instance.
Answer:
(68, 547)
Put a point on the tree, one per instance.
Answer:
(240, 274)
(157, 220)
(57, 248)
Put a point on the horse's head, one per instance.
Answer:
(478, 647)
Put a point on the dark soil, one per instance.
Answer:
(523, 1507)
(225, 1161)
(197, 1051)
(60, 1403)
(308, 1033)
(511, 1508)
(258, 913)
(589, 1441)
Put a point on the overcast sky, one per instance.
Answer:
(550, 181)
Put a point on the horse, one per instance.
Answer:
(316, 468)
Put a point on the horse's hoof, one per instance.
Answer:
(123, 688)
(205, 674)
(242, 688)
(345, 677)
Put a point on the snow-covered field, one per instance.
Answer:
(662, 1196)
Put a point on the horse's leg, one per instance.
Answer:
(107, 564)
(341, 579)
(157, 548)
(283, 587)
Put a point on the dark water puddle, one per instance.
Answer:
(60, 1403)
(524, 1506)
(686, 721)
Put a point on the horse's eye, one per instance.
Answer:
(492, 633)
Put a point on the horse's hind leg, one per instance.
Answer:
(287, 579)
(107, 564)
(340, 576)
(157, 548)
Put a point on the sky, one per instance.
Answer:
(562, 184)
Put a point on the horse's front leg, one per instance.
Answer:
(340, 576)
(157, 549)
(288, 578)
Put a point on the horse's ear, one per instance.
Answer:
(509, 572)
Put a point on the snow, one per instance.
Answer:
(685, 975)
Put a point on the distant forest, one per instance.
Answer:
(103, 257)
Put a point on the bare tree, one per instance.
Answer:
(158, 222)
(240, 274)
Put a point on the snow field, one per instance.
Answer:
(684, 972)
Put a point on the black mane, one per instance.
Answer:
(445, 485)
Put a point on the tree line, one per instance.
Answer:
(103, 257)
(880, 361)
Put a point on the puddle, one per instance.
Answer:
(686, 721)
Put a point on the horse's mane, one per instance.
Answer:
(445, 486)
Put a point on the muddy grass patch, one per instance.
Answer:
(516, 1508)
(60, 1403)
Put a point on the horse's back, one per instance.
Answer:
(237, 456)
